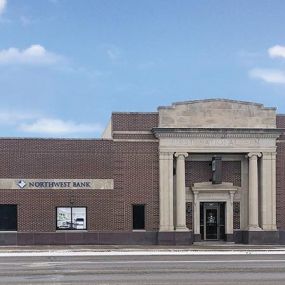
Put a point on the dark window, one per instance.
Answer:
(8, 217)
(138, 217)
(71, 218)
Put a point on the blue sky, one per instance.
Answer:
(65, 65)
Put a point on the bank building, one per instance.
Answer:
(195, 171)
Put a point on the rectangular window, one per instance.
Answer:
(138, 217)
(8, 217)
(71, 218)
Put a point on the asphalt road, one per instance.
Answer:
(174, 270)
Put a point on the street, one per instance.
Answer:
(174, 269)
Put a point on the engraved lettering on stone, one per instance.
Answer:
(214, 142)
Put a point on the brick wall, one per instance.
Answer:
(41, 158)
(137, 182)
(56, 159)
(201, 171)
(134, 121)
(280, 175)
(134, 167)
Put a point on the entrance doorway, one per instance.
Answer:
(212, 220)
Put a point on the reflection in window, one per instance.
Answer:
(71, 218)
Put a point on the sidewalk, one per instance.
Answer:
(116, 250)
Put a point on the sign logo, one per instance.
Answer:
(22, 184)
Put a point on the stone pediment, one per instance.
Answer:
(217, 113)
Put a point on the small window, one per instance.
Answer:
(138, 217)
(71, 218)
(8, 217)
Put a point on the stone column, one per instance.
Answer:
(244, 195)
(229, 214)
(253, 192)
(180, 192)
(273, 189)
(268, 191)
(196, 214)
(166, 191)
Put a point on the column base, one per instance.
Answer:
(269, 227)
(166, 229)
(254, 229)
(181, 229)
(197, 237)
(229, 238)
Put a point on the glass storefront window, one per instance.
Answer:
(71, 218)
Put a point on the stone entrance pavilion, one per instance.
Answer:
(217, 131)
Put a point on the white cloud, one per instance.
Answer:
(3, 4)
(35, 54)
(12, 117)
(51, 126)
(277, 51)
(268, 75)
(38, 124)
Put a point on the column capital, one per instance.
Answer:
(232, 193)
(165, 155)
(179, 154)
(254, 155)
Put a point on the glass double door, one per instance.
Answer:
(212, 221)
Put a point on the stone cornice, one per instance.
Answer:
(216, 133)
(260, 106)
(132, 132)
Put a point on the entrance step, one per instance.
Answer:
(213, 243)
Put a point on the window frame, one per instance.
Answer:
(70, 229)
(144, 215)
(11, 230)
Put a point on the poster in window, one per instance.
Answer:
(63, 218)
